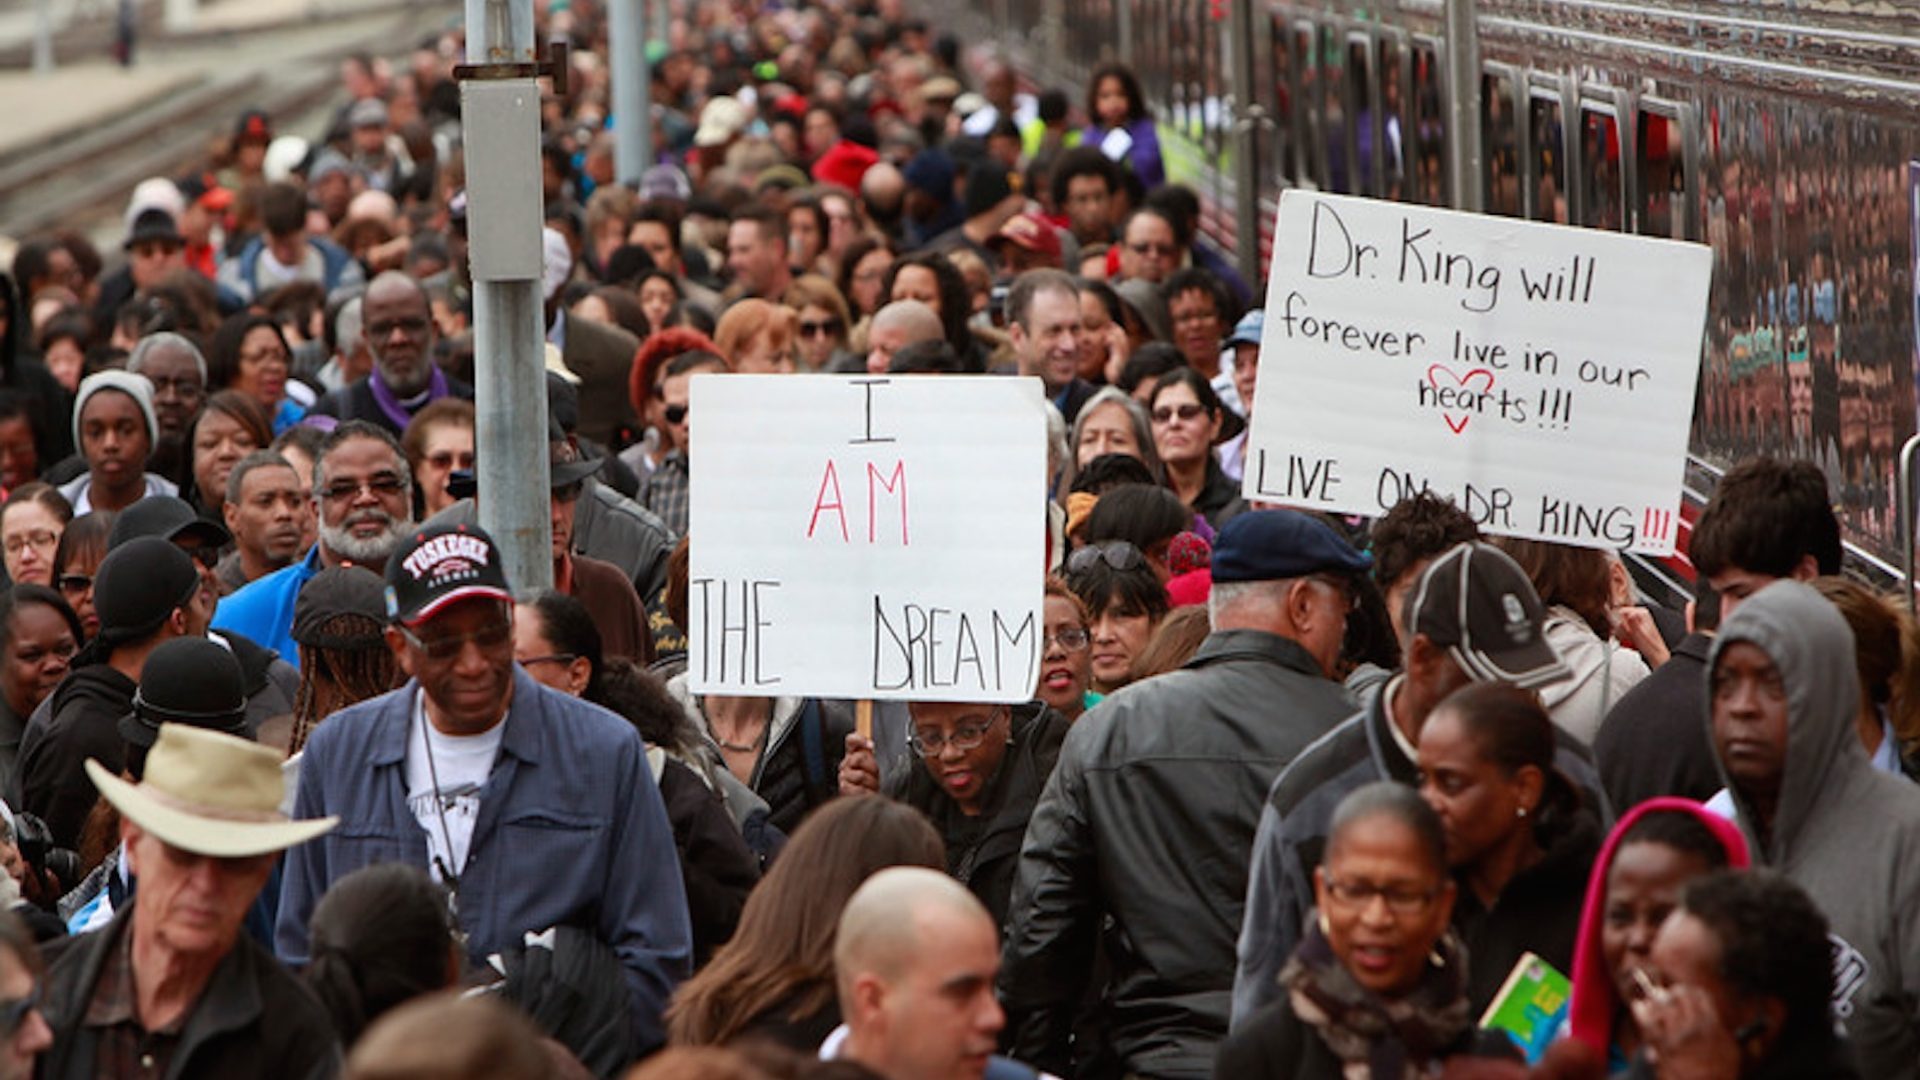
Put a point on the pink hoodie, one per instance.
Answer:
(1590, 1017)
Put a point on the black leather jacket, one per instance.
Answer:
(1148, 821)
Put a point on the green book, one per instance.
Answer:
(1531, 1006)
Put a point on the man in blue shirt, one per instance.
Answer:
(535, 809)
(363, 499)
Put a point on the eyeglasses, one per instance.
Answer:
(380, 331)
(1401, 899)
(185, 386)
(447, 459)
(380, 484)
(1164, 414)
(968, 733)
(567, 493)
(676, 413)
(818, 329)
(554, 658)
(448, 646)
(38, 539)
(1070, 639)
(74, 584)
(14, 1012)
(1117, 554)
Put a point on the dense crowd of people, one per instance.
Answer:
(297, 783)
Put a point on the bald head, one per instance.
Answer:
(882, 926)
(896, 326)
(882, 187)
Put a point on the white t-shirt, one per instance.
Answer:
(462, 763)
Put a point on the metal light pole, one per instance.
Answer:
(1463, 99)
(43, 37)
(632, 90)
(500, 114)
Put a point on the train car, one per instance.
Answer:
(1784, 133)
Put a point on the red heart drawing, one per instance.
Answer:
(1462, 383)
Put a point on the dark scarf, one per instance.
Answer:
(1374, 1038)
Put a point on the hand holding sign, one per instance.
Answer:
(1540, 376)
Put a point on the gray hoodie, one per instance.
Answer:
(1846, 833)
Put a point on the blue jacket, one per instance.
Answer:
(262, 610)
(571, 832)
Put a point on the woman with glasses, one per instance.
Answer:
(1187, 420)
(1125, 602)
(1519, 837)
(438, 441)
(1066, 665)
(823, 322)
(250, 354)
(39, 634)
(31, 522)
(1377, 986)
(976, 771)
(82, 547)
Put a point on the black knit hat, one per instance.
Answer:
(138, 585)
(188, 680)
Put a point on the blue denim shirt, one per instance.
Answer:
(262, 610)
(571, 832)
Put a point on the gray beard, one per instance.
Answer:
(342, 544)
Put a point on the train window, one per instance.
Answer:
(1601, 182)
(1313, 158)
(1665, 186)
(1548, 173)
(1501, 152)
(1391, 71)
(1210, 86)
(1363, 119)
(1280, 78)
(1333, 107)
(1429, 128)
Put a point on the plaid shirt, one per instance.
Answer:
(665, 492)
(127, 1049)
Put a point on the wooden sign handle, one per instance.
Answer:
(863, 718)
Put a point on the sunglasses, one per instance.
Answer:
(14, 1012)
(819, 329)
(1165, 413)
(676, 413)
(75, 583)
(1117, 554)
(447, 459)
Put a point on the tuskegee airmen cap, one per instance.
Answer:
(439, 565)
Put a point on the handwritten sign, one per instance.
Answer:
(1540, 376)
(867, 537)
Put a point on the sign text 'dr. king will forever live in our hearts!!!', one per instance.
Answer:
(1540, 376)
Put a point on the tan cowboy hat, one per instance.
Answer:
(209, 793)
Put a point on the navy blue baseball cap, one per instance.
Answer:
(1266, 545)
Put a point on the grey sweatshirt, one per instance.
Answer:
(1846, 833)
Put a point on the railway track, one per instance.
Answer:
(84, 178)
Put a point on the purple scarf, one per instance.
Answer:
(389, 403)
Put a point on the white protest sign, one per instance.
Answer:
(1541, 376)
(867, 537)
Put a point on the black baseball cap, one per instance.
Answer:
(338, 591)
(139, 584)
(1476, 602)
(169, 518)
(439, 565)
(187, 680)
